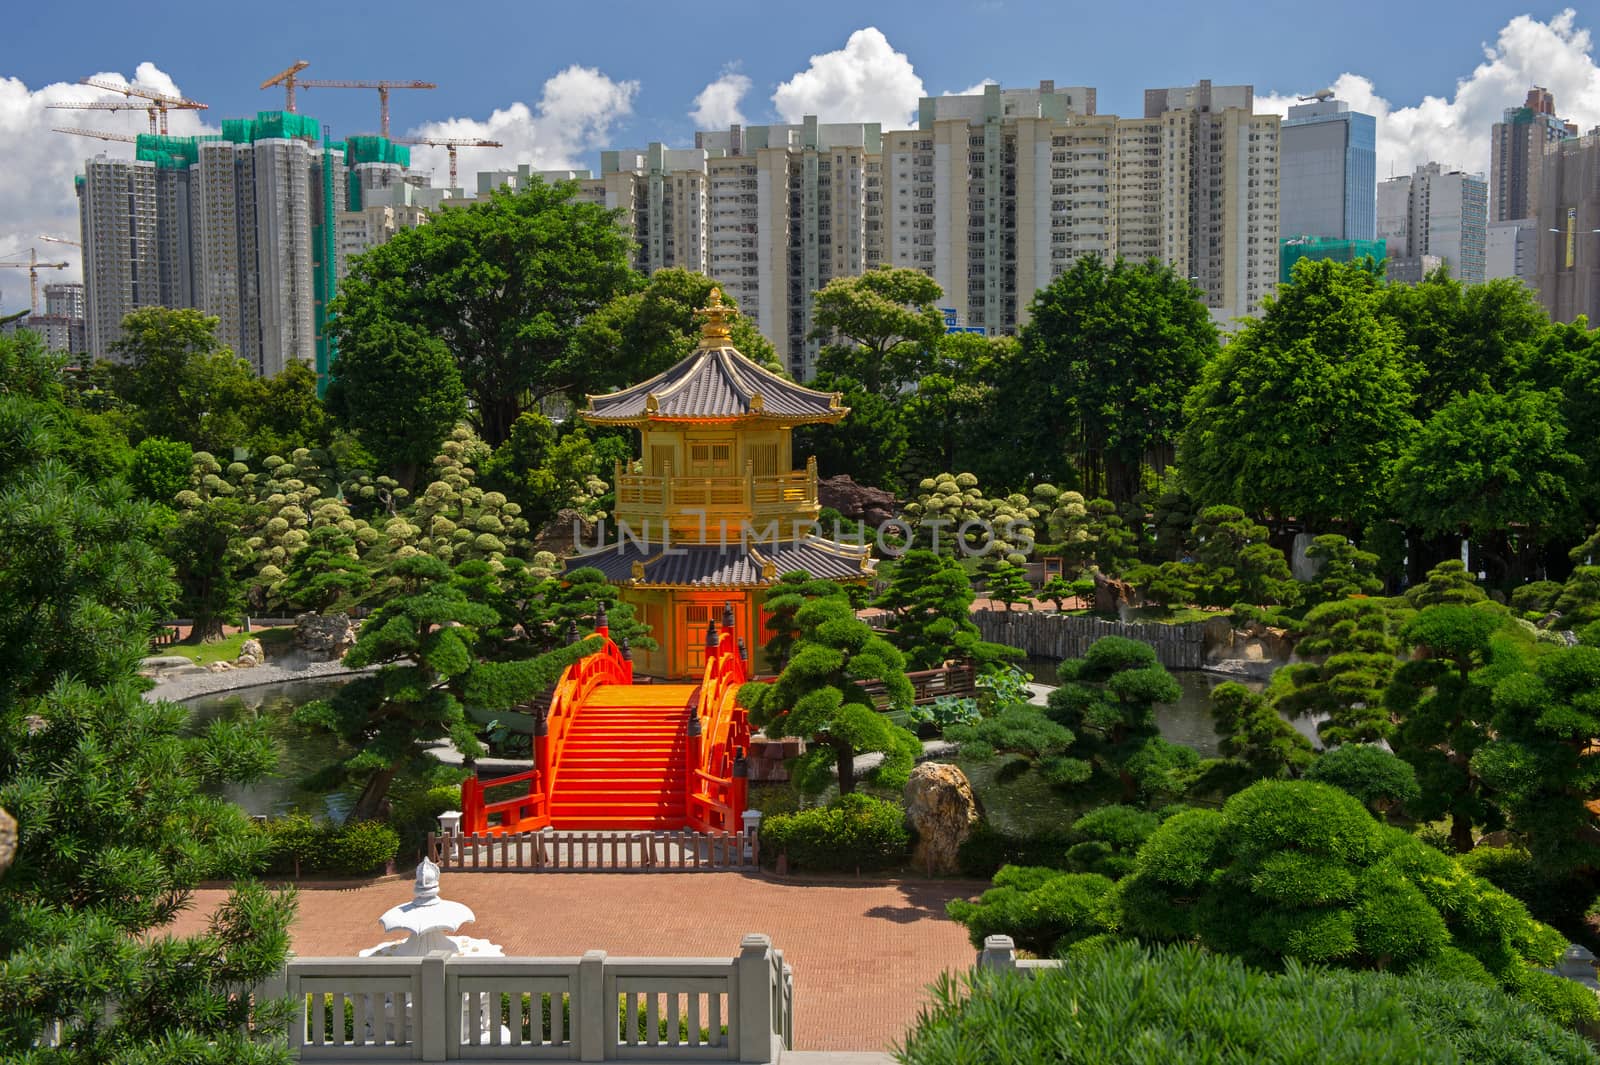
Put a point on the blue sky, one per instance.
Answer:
(486, 55)
(558, 82)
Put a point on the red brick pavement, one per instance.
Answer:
(863, 952)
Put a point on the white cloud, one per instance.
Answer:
(37, 195)
(1455, 130)
(865, 81)
(575, 114)
(717, 106)
(973, 90)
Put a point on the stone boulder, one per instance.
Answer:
(1111, 594)
(566, 534)
(251, 654)
(941, 807)
(324, 636)
(858, 502)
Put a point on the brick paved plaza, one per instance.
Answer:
(862, 954)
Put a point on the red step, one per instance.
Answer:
(622, 761)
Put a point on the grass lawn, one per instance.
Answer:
(227, 649)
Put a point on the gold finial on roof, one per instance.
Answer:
(716, 333)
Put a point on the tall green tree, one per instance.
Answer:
(183, 383)
(1493, 467)
(949, 414)
(160, 468)
(869, 444)
(289, 414)
(504, 284)
(639, 334)
(1108, 354)
(821, 697)
(396, 387)
(1306, 411)
(211, 562)
(880, 327)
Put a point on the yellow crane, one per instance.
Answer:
(98, 134)
(155, 104)
(33, 266)
(449, 146)
(290, 77)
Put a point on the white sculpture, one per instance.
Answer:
(428, 918)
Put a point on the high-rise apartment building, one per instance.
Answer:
(1327, 171)
(1517, 148)
(1568, 271)
(243, 225)
(662, 194)
(1511, 249)
(1435, 212)
(1218, 191)
(117, 219)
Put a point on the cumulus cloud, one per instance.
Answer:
(865, 81)
(1455, 130)
(37, 196)
(576, 113)
(717, 106)
(973, 90)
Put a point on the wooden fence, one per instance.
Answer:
(1040, 634)
(573, 851)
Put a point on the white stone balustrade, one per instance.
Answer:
(593, 1008)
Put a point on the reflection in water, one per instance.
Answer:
(300, 751)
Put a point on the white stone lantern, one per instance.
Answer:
(429, 918)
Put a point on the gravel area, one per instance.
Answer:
(178, 689)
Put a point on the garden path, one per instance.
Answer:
(863, 951)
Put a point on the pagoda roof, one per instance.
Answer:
(716, 383)
(725, 566)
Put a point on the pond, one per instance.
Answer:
(300, 751)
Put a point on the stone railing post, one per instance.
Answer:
(435, 1021)
(756, 1024)
(752, 833)
(999, 953)
(594, 1019)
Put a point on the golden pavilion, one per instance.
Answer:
(714, 510)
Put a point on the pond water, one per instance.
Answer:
(300, 751)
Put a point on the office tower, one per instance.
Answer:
(1328, 171)
(1517, 148)
(1436, 212)
(1568, 271)
(117, 218)
(1218, 189)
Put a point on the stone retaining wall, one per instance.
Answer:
(1048, 635)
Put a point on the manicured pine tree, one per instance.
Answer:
(1252, 731)
(1352, 647)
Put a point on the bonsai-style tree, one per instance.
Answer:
(1237, 564)
(781, 604)
(211, 563)
(1300, 870)
(1108, 699)
(1443, 701)
(423, 639)
(1541, 759)
(821, 696)
(1008, 584)
(1346, 570)
(1353, 649)
(931, 599)
(1379, 778)
(1448, 582)
(1116, 547)
(326, 572)
(1253, 732)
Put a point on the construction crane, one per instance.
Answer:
(115, 105)
(99, 134)
(449, 146)
(383, 88)
(33, 266)
(286, 78)
(158, 103)
(60, 240)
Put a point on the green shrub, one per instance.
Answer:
(1536, 597)
(1041, 909)
(854, 831)
(360, 849)
(1377, 777)
(416, 813)
(300, 846)
(1120, 1004)
(988, 848)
